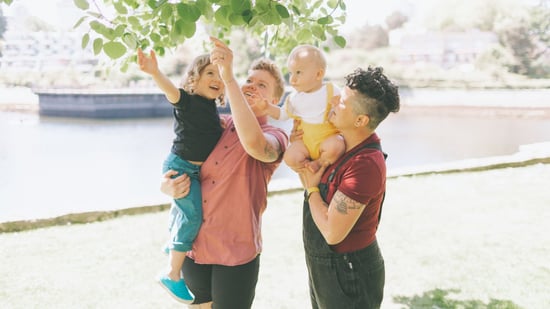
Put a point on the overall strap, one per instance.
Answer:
(330, 94)
(352, 153)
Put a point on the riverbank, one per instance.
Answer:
(449, 240)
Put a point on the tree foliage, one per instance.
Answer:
(118, 27)
(396, 20)
(527, 39)
(3, 24)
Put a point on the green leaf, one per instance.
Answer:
(283, 12)
(152, 4)
(132, 20)
(80, 21)
(98, 45)
(222, 16)
(185, 28)
(120, 8)
(119, 30)
(191, 13)
(304, 35)
(143, 44)
(318, 31)
(114, 50)
(247, 16)
(166, 12)
(205, 8)
(130, 40)
(85, 40)
(340, 41)
(296, 11)
(82, 4)
(332, 3)
(236, 19)
(145, 30)
(238, 6)
(325, 20)
(155, 37)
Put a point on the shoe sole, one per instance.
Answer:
(180, 300)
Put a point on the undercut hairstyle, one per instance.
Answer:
(269, 66)
(378, 96)
(193, 72)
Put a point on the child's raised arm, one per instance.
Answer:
(149, 65)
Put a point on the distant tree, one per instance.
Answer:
(3, 24)
(396, 20)
(527, 37)
(36, 24)
(369, 37)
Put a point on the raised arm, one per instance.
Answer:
(149, 65)
(261, 146)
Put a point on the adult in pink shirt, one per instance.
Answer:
(223, 265)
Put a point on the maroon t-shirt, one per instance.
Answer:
(363, 179)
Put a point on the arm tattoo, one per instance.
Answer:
(272, 152)
(344, 203)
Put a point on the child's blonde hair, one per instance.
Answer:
(193, 74)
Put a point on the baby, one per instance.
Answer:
(310, 104)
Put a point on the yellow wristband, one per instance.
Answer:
(310, 191)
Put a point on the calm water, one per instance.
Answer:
(54, 166)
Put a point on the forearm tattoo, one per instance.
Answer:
(344, 203)
(272, 150)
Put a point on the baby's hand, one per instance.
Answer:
(296, 134)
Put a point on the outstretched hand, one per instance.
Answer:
(147, 64)
(222, 56)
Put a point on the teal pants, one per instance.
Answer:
(186, 212)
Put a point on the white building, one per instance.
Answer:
(45, 51)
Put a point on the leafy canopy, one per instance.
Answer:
(118, 27)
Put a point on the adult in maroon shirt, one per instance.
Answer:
(343, 201)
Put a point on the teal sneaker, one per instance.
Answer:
(165, 250)
(177, 289)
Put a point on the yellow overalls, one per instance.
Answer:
(315, 133)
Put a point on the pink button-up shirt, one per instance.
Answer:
(234, 197)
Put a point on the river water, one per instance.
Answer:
(54, 166)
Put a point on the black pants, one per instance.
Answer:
(352, 280)
(230, 287)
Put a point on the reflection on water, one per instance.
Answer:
(52, 166)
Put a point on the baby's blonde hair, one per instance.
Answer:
(315, 52)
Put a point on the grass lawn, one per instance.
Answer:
(465, 240)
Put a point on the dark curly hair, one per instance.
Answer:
(379, 96)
